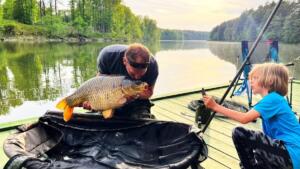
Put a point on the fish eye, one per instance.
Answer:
(138, 82)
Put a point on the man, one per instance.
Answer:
(135, 62)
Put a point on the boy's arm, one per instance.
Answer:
(235, 115)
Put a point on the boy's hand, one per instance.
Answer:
(209, 102)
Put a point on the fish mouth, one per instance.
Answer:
(145, 86)
(141, 87)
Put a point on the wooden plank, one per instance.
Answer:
(188, 117)
(211, 163)
(227, 161)
(254, 126)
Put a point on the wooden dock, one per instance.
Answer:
(222, 153)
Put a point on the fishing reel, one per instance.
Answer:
(202, 113)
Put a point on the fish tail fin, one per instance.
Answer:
(62, 104)
(68, 113)
(68, 110)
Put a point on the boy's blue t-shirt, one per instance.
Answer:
(280, 123)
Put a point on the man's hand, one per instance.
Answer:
(132, 98)
(147, 93)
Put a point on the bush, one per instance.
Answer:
(54, 26)
(11, 30)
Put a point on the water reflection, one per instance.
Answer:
(231, 52)
(34, 76)
(35, 72)
(185, 45)
(186, 69)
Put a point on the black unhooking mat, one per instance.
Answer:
(90, 142)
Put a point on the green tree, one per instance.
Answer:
(80, 25)
(119, 21)
(291, 33)
(150, 30)
(132, 28)
(251, 21)
(73, 11)
(1, 12)
(8, 9)
(55, 26)
(25, 11)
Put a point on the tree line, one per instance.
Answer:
(168, 34)
(284, 27)
(84, 18)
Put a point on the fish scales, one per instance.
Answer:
(103, 93)
(98, 91)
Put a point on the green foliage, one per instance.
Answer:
(54, 25)
(292, 27)
(284, 26)
(132, 27)
(13, 28)
(86, 18)
(151, 32)
(25, 11)
(1, 13)
(119, 21)
(8, 9)
(80, 25)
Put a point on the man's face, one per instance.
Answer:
(134, 69)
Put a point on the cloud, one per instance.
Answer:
(191, 14)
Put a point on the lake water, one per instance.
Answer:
(33, 77)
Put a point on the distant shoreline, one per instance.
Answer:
(42, 39)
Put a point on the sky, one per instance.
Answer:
(200, 15)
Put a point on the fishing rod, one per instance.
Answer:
(245, 62)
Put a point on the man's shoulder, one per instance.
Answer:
(115, 48)
(112, 52)
(152, 71)
(153, 64)
(153, 61)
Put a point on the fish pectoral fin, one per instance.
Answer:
(68, 113)
(122, 101)
(108, 113)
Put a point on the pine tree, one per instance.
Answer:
(25, 11)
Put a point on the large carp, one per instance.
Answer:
(104, 93)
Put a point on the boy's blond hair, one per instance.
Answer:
(272, 76)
